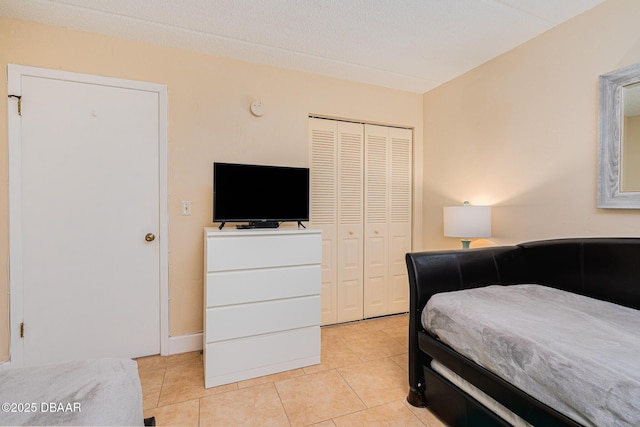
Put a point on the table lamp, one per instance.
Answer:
(467, 222)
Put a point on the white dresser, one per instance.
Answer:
(262, 302)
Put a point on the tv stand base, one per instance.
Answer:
(259, 224)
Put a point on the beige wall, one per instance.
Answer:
(209, 120)
(520, 133)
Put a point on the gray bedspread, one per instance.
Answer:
(104, 392)
(578, 355)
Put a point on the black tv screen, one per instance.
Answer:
(260, 194)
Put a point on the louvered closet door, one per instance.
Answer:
(388, 201)
(400, 161)
(350, 221)
(361, 199)
(323, 137)
(376, 214)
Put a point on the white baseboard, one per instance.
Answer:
(185, 343)
(178, 344)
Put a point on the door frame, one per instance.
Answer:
(16, 299)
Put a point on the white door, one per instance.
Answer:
(361, 198)
(400, 198)
(323, 137)
(89, 193)
(387, 219)
(376, 214)
(336, 208)
(349, 239)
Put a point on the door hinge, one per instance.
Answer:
(22, 330)
(19, 98)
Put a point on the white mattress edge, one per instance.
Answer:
(479, 395)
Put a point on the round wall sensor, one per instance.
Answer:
(257, 108)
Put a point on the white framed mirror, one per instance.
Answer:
(619, 139)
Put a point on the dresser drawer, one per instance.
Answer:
(259, 251)
(242, 286)
(228, 322)
(240, 359)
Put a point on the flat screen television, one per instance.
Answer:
(262, 196)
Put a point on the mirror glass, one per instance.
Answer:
(630, 136)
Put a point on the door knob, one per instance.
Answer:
(150, 237)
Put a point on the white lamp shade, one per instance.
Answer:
(467, 221)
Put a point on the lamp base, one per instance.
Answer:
(465, 244)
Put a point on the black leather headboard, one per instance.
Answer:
(462, 269)
(603, 268)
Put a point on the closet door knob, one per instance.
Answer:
(150, 237)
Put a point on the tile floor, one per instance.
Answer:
(362, 381)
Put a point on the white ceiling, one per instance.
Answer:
(412, 45)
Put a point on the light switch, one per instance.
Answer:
(186, 207)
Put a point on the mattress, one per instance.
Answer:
(104, 392)
(479, 395)
(579, 355)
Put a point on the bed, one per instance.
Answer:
(467, 388)
(102, 392)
